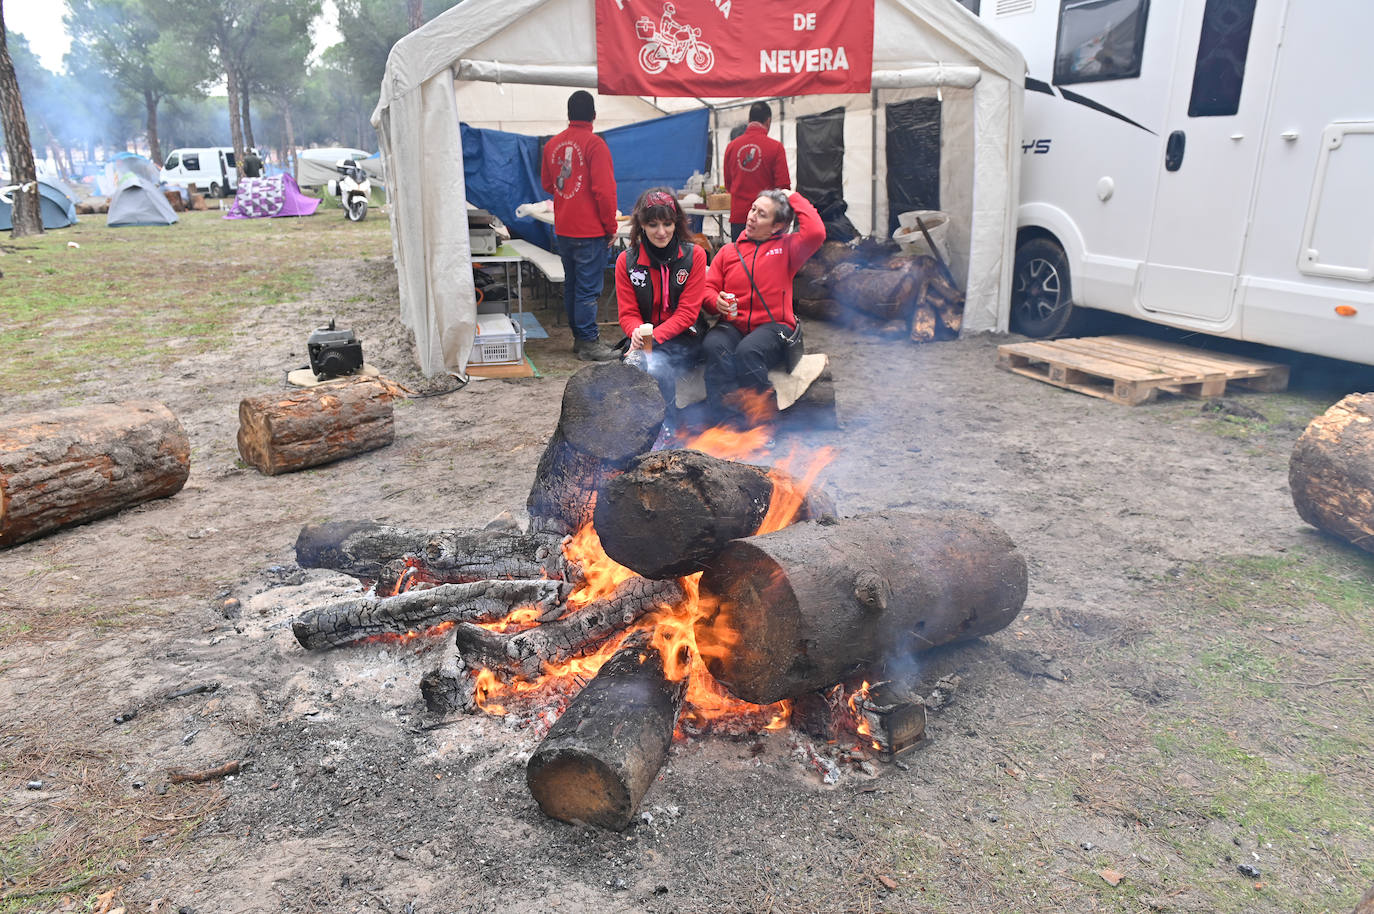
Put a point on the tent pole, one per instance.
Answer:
(873, 150)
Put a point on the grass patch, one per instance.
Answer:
(155, 294)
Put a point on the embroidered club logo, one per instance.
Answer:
(681, 277)
(567, 157)
(638, 277)
(750, 157)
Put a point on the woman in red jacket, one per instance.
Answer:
(660, 282)
(749, 286)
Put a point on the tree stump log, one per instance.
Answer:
(306, 428)
(602, 755)
(671, 512)
(349, 621)
(1331, 472)
(370, 552)
(525, 653)
(70, 466)
(612, 412)
(810, 605)
(923, 324)
(878, 292)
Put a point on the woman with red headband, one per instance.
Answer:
(750, 287)
(660, 282)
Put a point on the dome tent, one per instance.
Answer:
(138, 198)
(56, 205)
(502, 55)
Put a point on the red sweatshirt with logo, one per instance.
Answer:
(578, 172)
(773, 262)
(754, 162)
(689, 302)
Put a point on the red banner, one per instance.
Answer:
(730, 48)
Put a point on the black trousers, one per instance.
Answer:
(734, 360)
(671, 360)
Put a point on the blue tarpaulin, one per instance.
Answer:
(502, 169)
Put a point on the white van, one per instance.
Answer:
(211, 169)
(1205, 164)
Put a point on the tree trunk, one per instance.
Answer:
(525, 653)
(69, 466)
(290, 162)
(150, 100)
(415, 14)
(247, 118)
(671, 512)
(370, 552)
(231, 79)
(27, 217)
(1331, 472)
(280, 434)
(612, 413)
(603, 754)
(353, 620)
(810, 605)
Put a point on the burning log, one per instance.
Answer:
(603, 754)
(370, 552)
(352, 620)
(69, 466)
(525, 653)
(809, 605)
(671, 512)
(612, 412)
(1331, 472)
(281, 434)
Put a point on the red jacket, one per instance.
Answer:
(688, 306)
(578, 172)
(754, 162)
(773, 262)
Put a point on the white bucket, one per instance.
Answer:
(909, 236)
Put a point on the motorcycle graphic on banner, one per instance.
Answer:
(672, 42)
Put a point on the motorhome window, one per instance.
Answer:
(191, 161)
(173, 161)
(1099, 39)
(1221, 51)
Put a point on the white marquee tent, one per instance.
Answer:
(490, 63)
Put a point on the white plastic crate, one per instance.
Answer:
(499, 340)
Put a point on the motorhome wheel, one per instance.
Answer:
(1042, 296)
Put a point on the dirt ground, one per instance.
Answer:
(1181, 708)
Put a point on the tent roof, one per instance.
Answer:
(558, 46)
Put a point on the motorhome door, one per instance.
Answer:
(1210, 157)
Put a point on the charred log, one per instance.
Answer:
(612, 412)
(1331, 472)
(69, 466)
(923, 324)
(603, 754)
(881, 293)
(810, 605)
(672, 511)
(525, 653)
(368, 551)
(449, 687)
(280, 434)
(352, 620)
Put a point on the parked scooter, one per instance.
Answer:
(352, 188)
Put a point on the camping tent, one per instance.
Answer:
(138, 198)
(56, 205)
(497, 57)
(317, 165)
(274, 195)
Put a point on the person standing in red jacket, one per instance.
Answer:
(754, 162)
(578, 172)
(749, 285)
(660, 282)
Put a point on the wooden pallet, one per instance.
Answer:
(1133, 370)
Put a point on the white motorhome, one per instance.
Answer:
(210, 168)
(1206, 164)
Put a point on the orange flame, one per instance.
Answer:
(433, 631)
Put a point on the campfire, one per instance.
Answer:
(661, 594)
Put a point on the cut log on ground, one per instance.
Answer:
(881, 292)
(348, 621)
(316, 425)
(923, 324)
(369, 552)
(525, 653)
(612, 412)
(671, 512)
(819, 309)
(810, 605)
(69, 466)
(603, 754)
(1331, 472)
